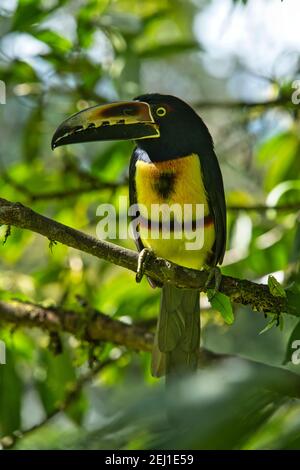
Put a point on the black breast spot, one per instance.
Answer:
(164, 184)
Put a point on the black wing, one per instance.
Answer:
(213, 183)
(133, 200)
(132, 192)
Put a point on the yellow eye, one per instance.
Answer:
(161, 111)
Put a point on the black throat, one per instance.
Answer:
(178, 139)
(165, 183)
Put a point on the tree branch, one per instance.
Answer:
(241, 291)
(97, 185)
(91, 186)
(95, 326)
(89, 326)
(292, 206)
(280, 101)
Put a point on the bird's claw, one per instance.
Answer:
(216, 275)
(143, 259)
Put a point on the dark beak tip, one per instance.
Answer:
(54, 143)
(55, 136)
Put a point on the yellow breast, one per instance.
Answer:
(174, 183)
(188, 184)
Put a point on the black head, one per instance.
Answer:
(182, 131)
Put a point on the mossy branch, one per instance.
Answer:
(241, 291)
(91, 326)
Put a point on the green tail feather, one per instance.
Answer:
(176, 345)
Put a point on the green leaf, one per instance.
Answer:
(54, 40)
(59, 376)
(273, 322)
(19, 72)
(222, 304)
(293, 294)
(30, 12)
(78, 408)
(279, 154)
(169, 49)
(286, 191)
(275, 287)
(27, 12)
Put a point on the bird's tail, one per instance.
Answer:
(176, 345)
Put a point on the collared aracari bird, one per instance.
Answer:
(174, 162)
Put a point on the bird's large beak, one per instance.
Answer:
(130, 120)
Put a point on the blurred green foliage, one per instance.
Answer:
(57, 57)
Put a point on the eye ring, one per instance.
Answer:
(161, 111)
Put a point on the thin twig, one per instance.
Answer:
(97, 185)
(32, 196)
(281, 101)
(292, 206)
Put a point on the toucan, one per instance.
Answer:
(173, 164)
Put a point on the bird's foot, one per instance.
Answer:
(216, 276)
(143, 259)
